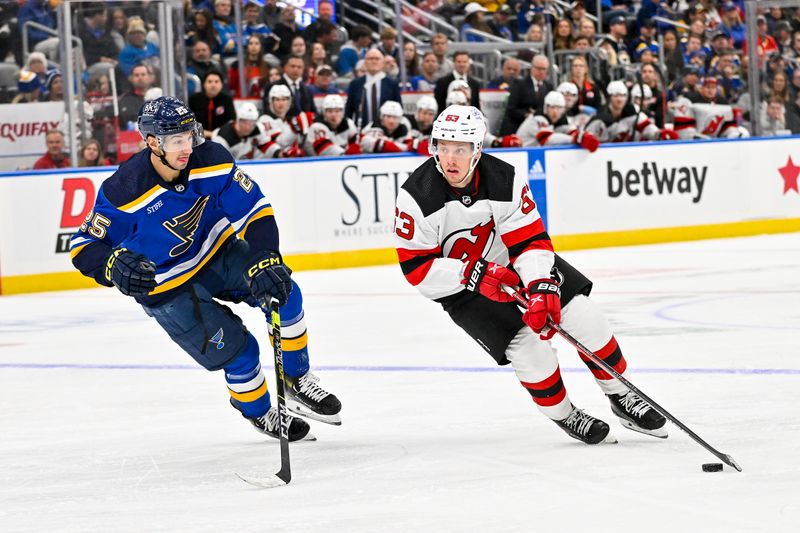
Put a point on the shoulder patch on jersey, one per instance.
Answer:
(427, 187)
(133, 180)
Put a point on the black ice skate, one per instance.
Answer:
(268, 424)
(306, 398)
(636, 414)
(585, 428)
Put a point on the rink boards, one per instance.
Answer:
(339, 212)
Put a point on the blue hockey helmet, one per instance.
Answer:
(166, 116)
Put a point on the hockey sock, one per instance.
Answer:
(246, 382)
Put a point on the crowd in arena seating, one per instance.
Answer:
(659, 70)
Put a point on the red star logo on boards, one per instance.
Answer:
(789, 173)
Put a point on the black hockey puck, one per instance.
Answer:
(712, 467)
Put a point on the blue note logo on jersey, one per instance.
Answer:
(183, 226)
(217, 339)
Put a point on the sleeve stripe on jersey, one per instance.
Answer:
(417, 275)
(405, 254)
(260, 204)
(73, 253)
(266, 212)
(143, 200)
(643, 124)
(320, 144)
(210, 172)
(524, 233)
(537, 242)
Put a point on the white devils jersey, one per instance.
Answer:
(437, 228)
(321, 139)
(281, 134)
(537, 130)
(254, 146)
(631, 125)
(695, 120)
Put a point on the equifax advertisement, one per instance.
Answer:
(22, 132)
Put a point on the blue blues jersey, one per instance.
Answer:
(179, 225)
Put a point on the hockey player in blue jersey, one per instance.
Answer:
(178, 227)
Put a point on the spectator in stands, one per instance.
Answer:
(527, 96)
(439, 46)
(55, 157)
(687, 85)
(201, 61)
(37, 63)
(323, 81)
(353, 50)
(91, 155)
(253, 25)
(298, 47)
(138, 50)
(367, 93)
(98, 44)
(793, 115)
(794, 53)
(587, 29)
(588, 92)
(462, 64)
(673, 59)
(212, 106)
(322, 23)
(411, 58)
(302, 98)
(562, 35)
(38, 11)
(286, 30)
(511, 69)
(794, 87)
(98, 95)
(655, 106)
(271, 13)
(645, 41)
(778, 87)
(29, 87)
(8, 28)
(225, 26)
(274, 75)
(141, 79)
(118, 27)
(783, 36)
(474, 20)
(615, 40)
(54, 86)
(388, 45)
(202, 29)
(426, 79)
(499, 23)
(765, 43)
(773, 118)
(255, 71)
(732, 24)
(707, 92)
(329, 36)
(316, 57)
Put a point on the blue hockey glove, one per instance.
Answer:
(132, 273)
(269, 278)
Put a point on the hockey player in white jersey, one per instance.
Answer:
(421, 124)
(332, 134)
(244, 137)
(390, 135)
(619, 121)
(577, 114)
(284, 142)
(466, 224)
(705, 119)
(553, 127)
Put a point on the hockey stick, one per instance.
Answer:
(284, 475)
(725, 458)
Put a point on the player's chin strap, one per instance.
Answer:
(163, 159)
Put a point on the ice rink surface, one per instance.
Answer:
(108, 426)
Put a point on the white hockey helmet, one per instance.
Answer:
(458, 85)
(555, 99)
(617, 88)
(428, 102)
(463, 123)
(247, 111)
(567, 87)
(332, 101)
(279, 91)
(392, 109)
(636, 91)
(456, 98)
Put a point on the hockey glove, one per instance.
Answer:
(293, 151)
(544, 300)
(269, 278)
(668, 135)
(507, 141)
(302, 122)
(586, 140)
(132, 273)
(486, 278)
(353, 149)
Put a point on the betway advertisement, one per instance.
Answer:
(653, 185)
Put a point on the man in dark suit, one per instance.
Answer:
(367, 93)
(527, 96)
(461, 66)
(302, 97)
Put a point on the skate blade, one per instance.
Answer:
(660, 433)
(309, 437)
(299, 409)
(610, 439)
(264, 482)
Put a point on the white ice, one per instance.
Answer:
(107, 426)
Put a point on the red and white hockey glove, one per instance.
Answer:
(586, 140)
(301, 122)
(386, 146)
(353, 149)
(293, 151)
(544, 300)
(668, 135)
(507, 141)
(486, 278)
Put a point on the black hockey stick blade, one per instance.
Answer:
(265, 482)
